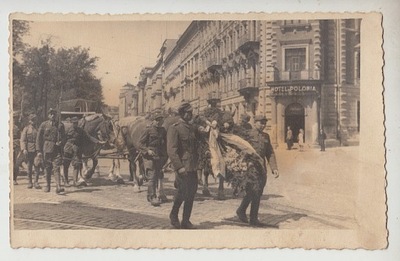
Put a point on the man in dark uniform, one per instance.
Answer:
(28, 147)
(181, 148)
(245, 118)
(49, 141)
(153, 147)
(262, 144)
(76, 137)
(16, 147)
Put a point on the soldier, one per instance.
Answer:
(16, 147)
(181, 148)
(75, 139)
(49, 141)
(245, 118)
(262, 144)
(153, 147)
(28, 147)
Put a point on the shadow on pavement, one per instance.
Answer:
(81, 190)
(268, 196)
(270, 221)
(97, 182)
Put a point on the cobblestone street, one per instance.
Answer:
(312, 192)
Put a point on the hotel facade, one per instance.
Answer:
(299, 73)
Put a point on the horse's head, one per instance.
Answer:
(106, 129)
(119, 141)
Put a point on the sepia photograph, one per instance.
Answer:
(197, 130)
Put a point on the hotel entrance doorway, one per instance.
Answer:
(294, 117)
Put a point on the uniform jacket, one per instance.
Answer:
(49, 133)
(181, 146)
(262, 144)
(246, 126)
(16, 136)
(28, 138)
(153, 138)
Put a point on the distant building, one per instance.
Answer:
(127, 101)
(299, 73)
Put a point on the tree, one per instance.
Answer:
(19, 29)
(52, 75)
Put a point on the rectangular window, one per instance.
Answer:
(295, 59)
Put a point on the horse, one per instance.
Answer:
(131, 132)
(120, 149)
(100, 127)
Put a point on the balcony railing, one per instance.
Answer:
(213, 64)
(295, 75)
(246, 83)
(245, 41)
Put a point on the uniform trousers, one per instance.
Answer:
(153, 173)
(253, 196)
(187, 187)
(53, 162)
(30, 158)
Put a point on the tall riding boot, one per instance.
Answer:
(57, 179)
(66, 180)
(173, 216)
(37, 186)
(241, 211)
(255, 205)
(48, 179)
(30, 185)
(75, 176)
(187, 211)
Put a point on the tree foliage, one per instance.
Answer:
(46, 75)
(19, 29)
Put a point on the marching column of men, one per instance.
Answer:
(178, 143)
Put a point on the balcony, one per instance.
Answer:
(296, 27)
(213, 96)
(304, 75)
(247, 86)
(213, 65)
(246, 42)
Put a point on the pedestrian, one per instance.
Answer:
(339, 136)
(261, 142)
(245, 122)
(289, 138)
(301, 140)
(182, 151)
(322, 138)
(49, 143)
(153, 146)
(28, 147)
(75, 138)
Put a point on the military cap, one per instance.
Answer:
(74, 119)
(31, 116)
(185, 107)
(52, 111)
(245, 117)
(260, 118)
(157, 114)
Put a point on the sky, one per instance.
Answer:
(123, 47)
